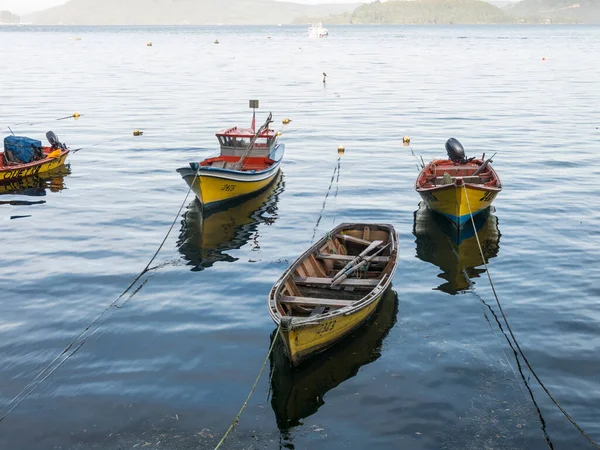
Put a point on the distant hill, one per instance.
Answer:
(424, 12)
(8, 17)
(556, 11)
(469, 12)
(193, 12)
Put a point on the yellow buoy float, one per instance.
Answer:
(148, 44)
(406, 140)
(76, 115)
(137, 132)
(341, 149)
(286, 121)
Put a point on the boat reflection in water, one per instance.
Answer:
(37, 185)
(205, 238)
(298, 392)
(441, 243)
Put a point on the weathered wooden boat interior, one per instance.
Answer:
(444, 172)
(252, 163)
(319, 283)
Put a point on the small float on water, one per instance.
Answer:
(333, 287)
(24, 157)
(248, 162)
(458, 186)
(317, 31)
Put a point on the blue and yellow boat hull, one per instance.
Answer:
(457, 203)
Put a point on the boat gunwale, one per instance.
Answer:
(478, 186)
(371, 296)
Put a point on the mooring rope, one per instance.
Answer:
(487, 271)
(38, 380)
(335, 170)
(510, 344)
(262, 369)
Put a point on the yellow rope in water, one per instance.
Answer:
(487, 271)
(262, 369)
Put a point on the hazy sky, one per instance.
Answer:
(27, 6)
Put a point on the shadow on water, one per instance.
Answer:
(441, 243)
(204, 239)
(36, 185)
(298, 392)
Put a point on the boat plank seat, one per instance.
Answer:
(471, 180)
(356, 240)
(310, 301)
(346, 258)
(354, 282)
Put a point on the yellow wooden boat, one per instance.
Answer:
(46, 159)
(457, 187)
(442, 244)
(333, 287)
(248, 162)
(299, 392)
(207, 237)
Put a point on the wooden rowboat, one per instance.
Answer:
(248, 162)
(298, 392)
(54, 157)
(333, 287)
(458, 187)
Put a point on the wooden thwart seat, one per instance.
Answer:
(335, 257)
(326, 282)
(309, 301)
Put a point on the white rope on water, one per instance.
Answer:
(72, 348)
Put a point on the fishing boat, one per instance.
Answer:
(454, 250)
(299, 392)
(24, 157)
(458, 187)
(333, 287)
(248, 162)
(317, 31)
(209, 237)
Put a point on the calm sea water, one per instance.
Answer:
(170, 366)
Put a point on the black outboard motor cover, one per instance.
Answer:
(455, 151)
(54, 142)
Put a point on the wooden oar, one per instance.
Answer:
(366, 251)
(359, 265)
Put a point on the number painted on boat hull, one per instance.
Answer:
(488, 196)
(228, 187)
(19, 173)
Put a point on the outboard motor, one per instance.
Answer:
(54, 142)
(455, 151)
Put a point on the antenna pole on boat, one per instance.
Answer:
(13, 133)
(253, 104)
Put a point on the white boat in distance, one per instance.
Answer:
(317, 31)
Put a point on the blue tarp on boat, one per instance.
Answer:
(23, 148)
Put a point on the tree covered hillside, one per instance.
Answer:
(430, 12)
